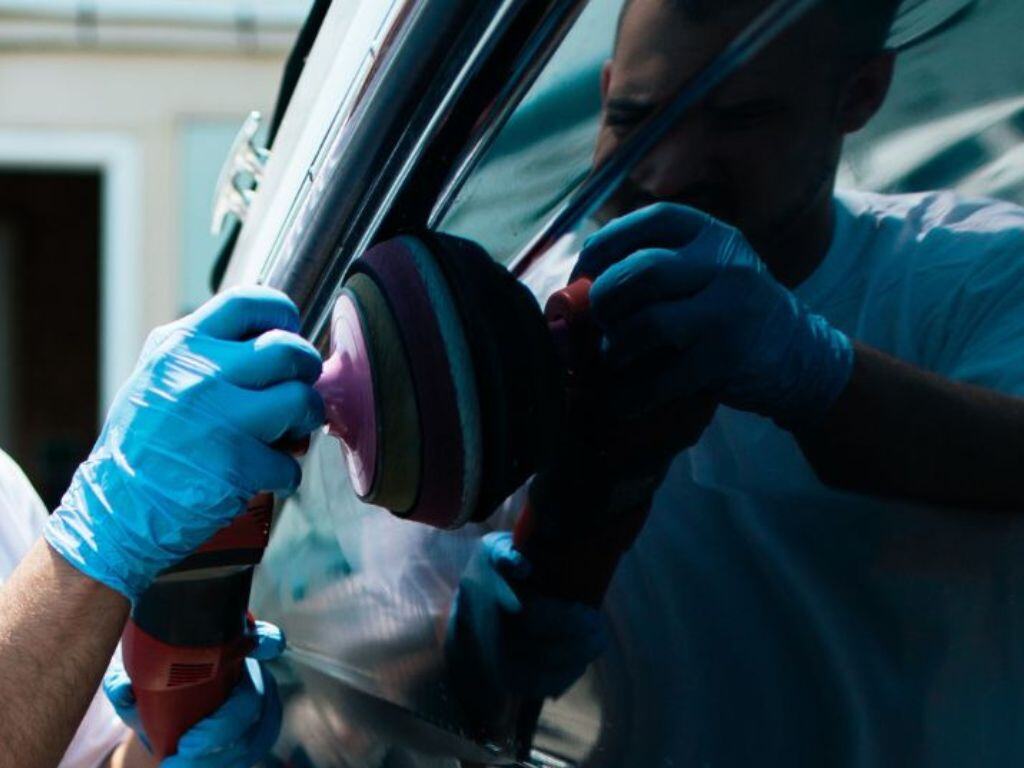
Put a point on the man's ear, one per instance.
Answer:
(606, 81)
(865, 92)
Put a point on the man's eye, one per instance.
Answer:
(622, 120)
(742, 118)
(623, 125)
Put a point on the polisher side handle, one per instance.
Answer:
(574, 548)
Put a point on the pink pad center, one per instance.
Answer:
(347, 389)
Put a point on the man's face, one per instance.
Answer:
(760, 152)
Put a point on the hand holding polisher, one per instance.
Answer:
(188, 636)
(448, 390)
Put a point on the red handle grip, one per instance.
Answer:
(189, 634)
(177, 686)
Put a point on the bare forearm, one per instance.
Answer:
(58, 630)
(899, 431)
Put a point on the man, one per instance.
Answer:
(822, 580)
(186, 443)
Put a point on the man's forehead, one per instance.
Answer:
(661, 46)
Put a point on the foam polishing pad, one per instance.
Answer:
(520, 380)
(453, 333)
(396, 482)
(442, 376)
(347, 389)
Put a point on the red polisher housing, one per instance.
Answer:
(176, 686)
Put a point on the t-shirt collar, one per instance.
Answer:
(832, 270)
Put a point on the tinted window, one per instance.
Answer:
(547, 146)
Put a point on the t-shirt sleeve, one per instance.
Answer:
(22, 515)
(99, 733)
(983, 343)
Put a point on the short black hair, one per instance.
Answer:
(869, 21)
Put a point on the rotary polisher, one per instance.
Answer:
(447, 388)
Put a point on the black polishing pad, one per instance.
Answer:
(520, 380)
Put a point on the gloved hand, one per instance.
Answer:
(685, 303)
(187, 440)
(519, 642)
(240, 733)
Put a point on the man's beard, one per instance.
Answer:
(629, 197)
(764, 233)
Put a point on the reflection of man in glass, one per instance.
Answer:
(761, 152)
(821, 580)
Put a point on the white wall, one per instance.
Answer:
(136, 106)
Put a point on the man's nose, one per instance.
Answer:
(678, 162)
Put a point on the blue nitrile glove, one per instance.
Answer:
(519, 642)
(187, 440)
(684, 299)
(240, 733)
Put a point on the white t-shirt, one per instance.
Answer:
(764, 619)
(22, 517)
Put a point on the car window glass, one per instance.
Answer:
(547, 146)
(954, 118)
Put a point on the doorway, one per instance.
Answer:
(50, 225)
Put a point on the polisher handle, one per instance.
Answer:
(176, 686)
(178, 676)
(575, 556)
(575, 566)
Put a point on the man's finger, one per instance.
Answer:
(507, 560)
(271, 358)
(118, 688)
(290, 410)
(242, 313)
(646, 278)
(663, 225)
(270, 642)
(227, 725)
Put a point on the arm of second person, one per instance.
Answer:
(899, 431)
(186, 444)
(58, 630)
(687, 306)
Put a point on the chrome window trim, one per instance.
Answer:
(542, 47)
(337, 209)
(347, 38)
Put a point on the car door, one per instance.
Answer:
(479, 119)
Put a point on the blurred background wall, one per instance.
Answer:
(115, 117)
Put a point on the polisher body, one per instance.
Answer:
(185, 644)
(489, 383)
